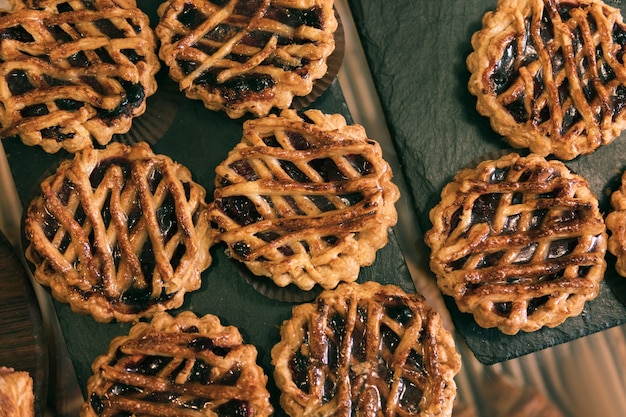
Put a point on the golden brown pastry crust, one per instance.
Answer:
(616, 224)
(119, 233)
(367, 348)
(549, 74)
(16, 393)
(246, 56)
(519, 242)
(305, 200)
(183, 365)
(76, 74)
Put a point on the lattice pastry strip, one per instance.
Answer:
(365, 349)
(174, 366)
(119, 233)
(519, 242)
(550, 75)
(246, 56)
(74, 73)
(304, 200)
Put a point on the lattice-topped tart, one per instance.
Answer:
(178, 366)
(365, 349)
(246, 56)
(550, 75)
(119, 233)
(519, 242)
(74, 72)
(305, 200)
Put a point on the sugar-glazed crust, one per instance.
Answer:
(175, 366)
(365, 349)
(305, 200)
(74, 72)
(119, 233)
(550, 74)
(519, 242)
(246, 56)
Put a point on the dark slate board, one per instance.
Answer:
(421, 78)
(199, 139)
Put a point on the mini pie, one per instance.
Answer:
(304, 200)
(519, 242)
(616, 224)
(119, 233)
(74, 72)
(246, 56)
(178, 366)
(365, 349)
(17, 398)
(550, 75)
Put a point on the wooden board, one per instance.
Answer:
(23, 344)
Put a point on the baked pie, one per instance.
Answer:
(616, 224)
(119, 233)
(519, 242)
(304, 199)
(246, 56)
(75, 72)
(550, 74)
(365, 349)
(16, 393)
(175, 366)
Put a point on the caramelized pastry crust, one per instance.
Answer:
(119, 233)
(616, 223)
(365, 349)
(246, 56)
(304, 200)
(519, 242)
(550, 74)
(182, 366)
(74, 72)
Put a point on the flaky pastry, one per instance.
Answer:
(119, 233)
(519, 242)
(304, 200)
(365, 349)
(178, 366)
(246, 56)
(74, 73)
(550, 74)
(616, 224)
(17, 398)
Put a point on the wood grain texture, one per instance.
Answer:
(22, 339)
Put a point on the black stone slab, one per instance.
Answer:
(421, 78)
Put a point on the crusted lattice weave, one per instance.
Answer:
(74, 73)
(365, 349)
(519, 242)
(550, 74)
(178, 366)
(304, 201)
(119, 233)
(249, 55)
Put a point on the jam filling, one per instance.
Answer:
(521, 52)
(410, 394)
(239, 208)
(201, 372)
